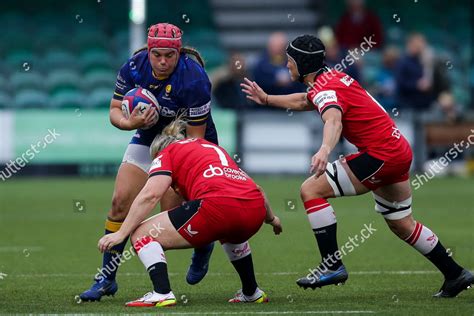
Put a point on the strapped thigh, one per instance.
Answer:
(339, 179)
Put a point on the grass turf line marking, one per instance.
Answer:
(273, 313)
(62, 275)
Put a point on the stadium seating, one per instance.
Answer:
(59, 59)
(26, 80)
(68, 99)
(100, 98)
(31, 98)
(99, 79)
(95, 59)
(86, 43)
(61, 80)
(5, 100)
(21, 60)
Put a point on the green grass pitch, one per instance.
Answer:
(48, 255)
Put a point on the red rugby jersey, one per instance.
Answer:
(365, 122)
(201, 169)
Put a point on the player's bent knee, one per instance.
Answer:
(137, 235)
(145, 231)
(310, 191)
(334, 183)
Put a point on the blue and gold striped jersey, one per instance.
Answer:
(187, 89)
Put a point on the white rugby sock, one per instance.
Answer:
(149, 251)
(320, 213)
(422, 239)
(323, 221)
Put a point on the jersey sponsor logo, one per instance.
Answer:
(156, 163)
(190, 232)
(167, 112)
(200, 111)
(213, 171)
(228, 172)
(396, 132)
(324, 97)
(347, 80)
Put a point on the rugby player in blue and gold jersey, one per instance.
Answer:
(182, 87)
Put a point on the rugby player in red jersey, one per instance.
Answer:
(223, 203)
(381, 164)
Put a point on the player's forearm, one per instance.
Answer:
(269, 216)
(294, 101)
(141, 207)
(117, 119)
(331, 134)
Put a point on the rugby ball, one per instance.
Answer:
(143, 99)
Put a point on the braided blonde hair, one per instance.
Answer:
(170, 134)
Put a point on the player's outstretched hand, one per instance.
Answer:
(110, 240)
(276, 223)
(253, 91)
(319, 162)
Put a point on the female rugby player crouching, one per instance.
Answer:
(223, 203)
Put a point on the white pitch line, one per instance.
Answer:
(133, 274)
(272, 313)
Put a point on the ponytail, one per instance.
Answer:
(195, 53)
(170, 134)
(145, 47)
